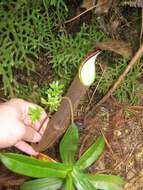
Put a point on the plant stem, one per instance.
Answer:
(71, 107)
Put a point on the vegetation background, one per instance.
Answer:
(40, 53)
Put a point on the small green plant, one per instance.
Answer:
(35, 113)
(25, 30)
(53, 96)
(70, 174)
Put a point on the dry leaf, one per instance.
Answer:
(87, 4)
(116, 46)
(45, 157)
(103, 6)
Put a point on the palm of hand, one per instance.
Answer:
(16, 126)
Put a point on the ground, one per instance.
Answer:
(122, 129)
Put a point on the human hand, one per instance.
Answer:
(16, 126)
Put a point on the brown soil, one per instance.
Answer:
(122, 128)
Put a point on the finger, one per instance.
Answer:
(31, 135)
(44, 126)
(25, 116)
(25, 147)
(28, 120)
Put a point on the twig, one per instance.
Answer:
(128, 157)
(82, 145)
(107, 144)
(96, 88)
(135, 107)
(91, 8)
(135, 58)
(141, 33)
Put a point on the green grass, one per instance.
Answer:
(67, 51)
(25, 29)
(128, 90)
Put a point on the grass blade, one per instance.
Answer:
(92, 154)
(68, 145)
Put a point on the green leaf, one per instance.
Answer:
(80, 182)
(105, 182)
(92, 154)
(69, 183)
(43, 184)
(68, 145)
(35, 113)
(32, 167)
